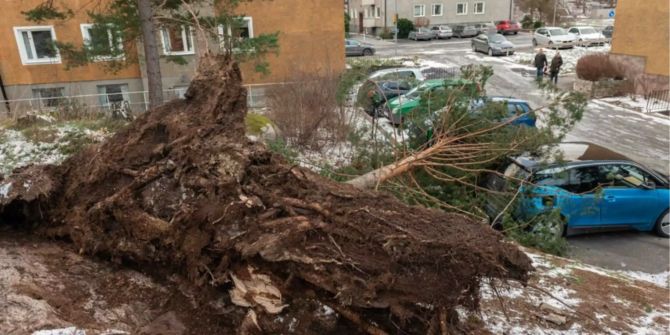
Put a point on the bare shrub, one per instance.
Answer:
(306, 111)
(598, 66)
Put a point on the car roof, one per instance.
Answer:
(437, 82)
(572, 154)
(508, 99)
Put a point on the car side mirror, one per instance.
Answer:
(650, 185)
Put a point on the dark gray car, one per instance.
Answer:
(492, 44)
(356, 48)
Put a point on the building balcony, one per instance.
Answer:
(368, 2)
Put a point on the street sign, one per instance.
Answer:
(612, 13)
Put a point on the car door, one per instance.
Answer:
(582, 205)
(626, 198)
(542, 36)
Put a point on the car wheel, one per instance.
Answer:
(534, 42)
(490, 52)
(557, 229)
(662, 227)
(367, 52)
(516, 32)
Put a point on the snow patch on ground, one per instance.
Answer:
(639, 103)
(61, 331)
(16, 150)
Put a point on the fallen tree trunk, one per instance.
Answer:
(183, 189)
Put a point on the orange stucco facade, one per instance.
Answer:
(311, 36)
(15, 73)
(642, 28)
(311, 40)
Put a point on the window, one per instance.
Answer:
(36, 45)
(437, 9)
(419, 10)
(378, 12)
(113, 95)
(479, 8)
(177, 40)
(107, 43)
(244, 30)
(461, 8)
(621, 175)
(49, 97)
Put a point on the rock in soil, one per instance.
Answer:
(182, 190)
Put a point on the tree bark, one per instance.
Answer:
(151, 55)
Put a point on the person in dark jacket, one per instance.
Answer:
(555, 67)
(540, 64)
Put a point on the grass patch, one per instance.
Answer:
(256, 122)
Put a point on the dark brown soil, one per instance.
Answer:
(183, 190)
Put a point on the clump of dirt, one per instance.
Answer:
(183, 189)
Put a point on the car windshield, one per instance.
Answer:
(557, 32)
(497, 38)
(588, 31)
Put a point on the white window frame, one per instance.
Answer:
(474, 8)
(22, 51)
(465, 8)
(184, 31)
(86, 36)
(105, 95)
(229, 32)
(423, 10)
(432, 9)
(378, 12)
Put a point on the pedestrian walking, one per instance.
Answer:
(555, 68)
(540, 64)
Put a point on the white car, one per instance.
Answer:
(414, 73)
(553, 37)
(443, 32)
(587, 36)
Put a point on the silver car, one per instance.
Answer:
(553, 37)
(442, 32)
(461, 31)
(356, 48)
(422, 34)
(587, 36)
(492, 44)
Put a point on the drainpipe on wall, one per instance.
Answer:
(511, 6)
(4, 96)
(385, 17)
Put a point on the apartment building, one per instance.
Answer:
(641, 43)
(373, 16)
(34, 76)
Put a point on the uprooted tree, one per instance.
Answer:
(183, 188)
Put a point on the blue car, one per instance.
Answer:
(516, 108)
(594, 189)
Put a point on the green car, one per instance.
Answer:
(402, 105)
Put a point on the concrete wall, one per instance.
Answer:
(494, 10)
(85, 95)
(642, 28)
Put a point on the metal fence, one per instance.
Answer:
(123, 102)
(658, 101)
